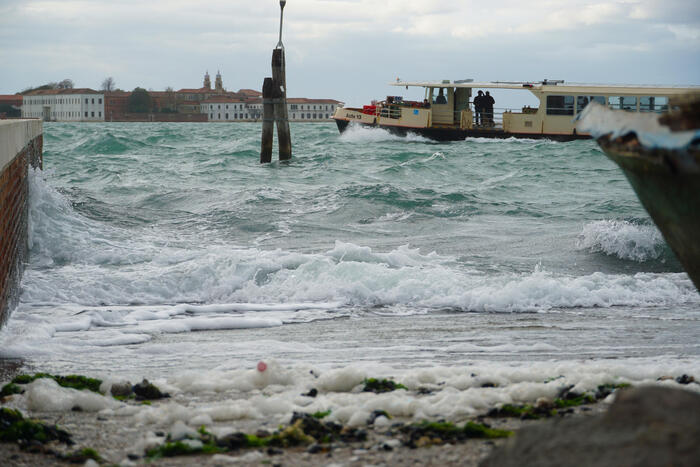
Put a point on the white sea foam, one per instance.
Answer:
(360, 134)
(511, 139)
(403, 281)
(45, 394)
(622, 239)
(247, 397)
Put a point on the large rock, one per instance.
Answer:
(647, 426)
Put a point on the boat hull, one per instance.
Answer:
(457, 134)
(667, 183)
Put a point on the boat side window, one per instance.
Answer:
(560, 105)
(623, 102)
(583, 101)
(653, 104)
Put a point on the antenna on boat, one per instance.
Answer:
(282, 3)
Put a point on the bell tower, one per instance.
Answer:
(219, 83)
(207, 80)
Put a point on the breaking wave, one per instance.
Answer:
(622, 239)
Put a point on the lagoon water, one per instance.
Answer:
(167, 251)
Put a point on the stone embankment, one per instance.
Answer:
(21, 143)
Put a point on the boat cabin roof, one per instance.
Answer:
(554, 87)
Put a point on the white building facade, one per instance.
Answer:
(228, 110)
(298, 110)
(64, 105)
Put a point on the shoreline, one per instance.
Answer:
(114, 438)
(123, 435)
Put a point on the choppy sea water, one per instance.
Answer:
(167, 251)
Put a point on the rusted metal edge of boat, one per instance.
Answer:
(660, 156)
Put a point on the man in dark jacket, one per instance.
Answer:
(479, 108)
(488, 108)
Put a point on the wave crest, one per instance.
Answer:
(623, 239)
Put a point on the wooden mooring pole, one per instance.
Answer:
(268, 121)
(275, 105)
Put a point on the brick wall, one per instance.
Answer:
(14, 187)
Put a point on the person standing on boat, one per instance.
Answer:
(488, 108)
(479, 108)
(440, 99)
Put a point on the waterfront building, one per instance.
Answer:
(64, 105)
(244, 108)
(301, 109)
(227, 109)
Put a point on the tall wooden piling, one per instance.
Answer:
(268, 121)
(275, 105)
(284, 138)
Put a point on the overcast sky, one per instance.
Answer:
(346, 49)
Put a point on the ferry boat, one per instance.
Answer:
(447, 112)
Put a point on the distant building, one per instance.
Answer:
(64, 105)
(301, 109)
(116, 104)
(186, 105)
(226, 109)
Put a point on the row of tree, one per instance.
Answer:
(65, 84)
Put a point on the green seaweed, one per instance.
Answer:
(381, 385)
(320, 415)
(256, 442)
(293, 435)
(14, 428)
(125, 398)
(574, 401)
(9, 389)
(81, 456)
(69, 381)
(477, 430)
(604, 390)
(525, 412)
(438, 432)
(178, 448)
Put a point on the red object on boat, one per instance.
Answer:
(369, 109)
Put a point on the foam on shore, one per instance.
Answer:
(271, 396)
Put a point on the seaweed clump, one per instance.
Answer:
(81, 456)
(78, 382)
(379, 386)
(565, 402)
(304, 429)
(430, 433)
(524, 412)
(143, 391)
(14, 428)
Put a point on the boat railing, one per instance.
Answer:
(491, 119)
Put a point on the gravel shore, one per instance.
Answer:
(115, 439)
